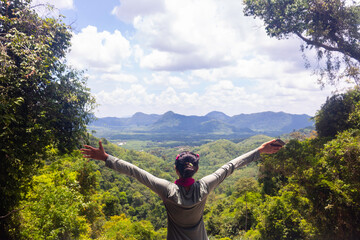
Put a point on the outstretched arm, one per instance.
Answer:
(213, 180)
(94, 153)
(156, 184)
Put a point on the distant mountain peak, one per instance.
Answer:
(216, 113)
(137, 114)
(218, 116)
(169, 113)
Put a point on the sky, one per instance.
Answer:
(190, 57)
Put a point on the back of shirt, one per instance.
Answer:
(185, 210)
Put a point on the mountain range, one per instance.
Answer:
(270, 123)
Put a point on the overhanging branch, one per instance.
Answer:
(318, 44)
(343, 47)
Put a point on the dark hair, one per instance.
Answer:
(187, 163)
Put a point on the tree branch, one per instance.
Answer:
(14, 211)
(343, 48)
(318, 44)
(17, 210)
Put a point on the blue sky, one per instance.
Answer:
(191, 57)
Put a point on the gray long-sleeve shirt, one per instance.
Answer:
(184, 208)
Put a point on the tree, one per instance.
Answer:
(42, 100)
(281, 219)
(337, 214)
(329, 26)
(120, 227)
(340, 112)
(311, 189)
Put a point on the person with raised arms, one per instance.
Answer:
(184, 199)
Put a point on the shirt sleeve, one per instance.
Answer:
(213, 180)
(158, 185)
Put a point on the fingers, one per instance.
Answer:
(269, 142)
(270, 147)
(87, 152)
(90, 147)
(101, 146)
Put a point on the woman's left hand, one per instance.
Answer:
(94, 153)
(270, 147)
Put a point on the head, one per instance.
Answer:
(187, 164)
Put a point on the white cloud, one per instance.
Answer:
(251, 69)
(278, 95)
(166, 79)
(138, 53)
(182, 39)
(101, 51)
(136, 94)
(119, 77)
(201, 34)
(130, 9)
(224, 93)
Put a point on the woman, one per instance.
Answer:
(185, 199)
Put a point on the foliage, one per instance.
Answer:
(321, 180)
(329, 26)
(338, 113)
(339, 181)
(230, 217)
(300, 134)
(63, 204)
(42, 101)
(281, 219)
(121, 228)
(67, 202)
